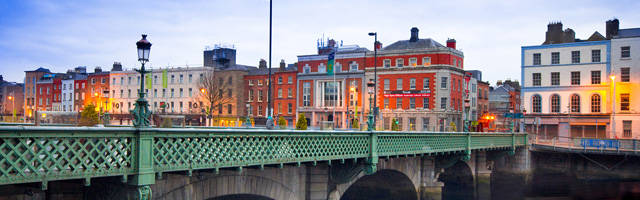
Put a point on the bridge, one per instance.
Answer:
(158, 163)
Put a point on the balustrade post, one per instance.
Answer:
(143, 163)
(370, 165)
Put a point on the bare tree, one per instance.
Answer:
(217, 91)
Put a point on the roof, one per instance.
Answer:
(237, 67)
(260, 71)
(631, 32)
(40, 70)
(420, 44)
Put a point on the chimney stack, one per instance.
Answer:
(613, 26)
(282, 65)
(263, 64)
(116, 66)
(414, 34)
(97, 70)
(451, 43)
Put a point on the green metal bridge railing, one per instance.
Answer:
(42, 154)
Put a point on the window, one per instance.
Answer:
(412, 124)
(624, 74)
(413, 62)
(229, 108)
(399, 62)
(626, 129)
(93, 81)
(624, 102)
(155, 92)
(201, 78)
(306, 94)
(387, 63)
(322, 68)
(250, 82)
(155, 80)
(307, 69)
(289, 92)
(443, 83)
(412, 83)
(250, 111)
(575, 78)
(129, 94)
(555, 78)
(536, 59)
(220, 81)
(399, 123)
(398, 103)
(353, 66)
(595, 77)
(555, 58)
(575, 103)
(386, 84)
(290, 79)
(129, 80)
(164, 91)
(386, 103)
(412, 103)
(425, 103)
(172, 93)
(536, 79)
(625, 52)
(250, 96)
(425, 83)
(595, 55)
(575, 57)
(279, 108)
(290, 108)
(387, 123)
(259, 82)
(181, 78)
(230, 80)
(555, 103)
(595, 103)
(443, 103)
(426, 61)
(259, 110)
(280, 80)
(190, 78)
(425, 124)
(121, 93)
(399, 84)
(280, 93)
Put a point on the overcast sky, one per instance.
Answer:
(63, 34)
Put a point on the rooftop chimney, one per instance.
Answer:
(554, 34)
(499, 83)
(613, 26)
(282, 65)
(116, 66)
(97, 70)
(451, 43)
(414, 34)
(263, 64)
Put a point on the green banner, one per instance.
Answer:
(164, 78)
(330, 62)
(149, 82)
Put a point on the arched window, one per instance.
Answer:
(575, 103)
(555, 103)
(536, 104)
(595, 103)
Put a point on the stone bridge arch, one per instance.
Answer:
(397, 169)
(270, 183)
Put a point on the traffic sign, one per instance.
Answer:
(506, 115)
(518, 115)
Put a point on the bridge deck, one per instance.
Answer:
(581, 145)
(41, 154)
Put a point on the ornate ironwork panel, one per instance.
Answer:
(411, 143)
(46, 154)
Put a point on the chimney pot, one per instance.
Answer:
(414, 34)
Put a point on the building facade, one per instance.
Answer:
(30, 95)
(568, 85)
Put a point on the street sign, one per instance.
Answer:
(518, 115)
(506, 115)
(514, 115)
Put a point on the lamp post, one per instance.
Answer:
(613, 105)
(375, 68)
(467, 107)
(106, 117)
(524, 120)
(141, 112)
(371, 122)
(98, 105)
(13, 104)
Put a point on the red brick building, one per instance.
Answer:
(30, 95)
(284, 93)
(56, 104)
(97, 84)
(44, 91)
(256, 91)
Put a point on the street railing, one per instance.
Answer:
(585, 143)
(41, 154)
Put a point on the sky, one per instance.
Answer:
(63, 34)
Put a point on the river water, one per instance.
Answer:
(560, 187)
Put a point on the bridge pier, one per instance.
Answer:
(430, 187)
(482, 176)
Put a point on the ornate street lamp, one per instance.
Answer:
(141, 112)
(375, 67)
(371, 122)
(466, 119)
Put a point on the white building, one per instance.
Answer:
(566, 83)
(180, 94)
(625, 65)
